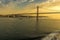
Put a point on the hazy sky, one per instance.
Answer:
(17, 6)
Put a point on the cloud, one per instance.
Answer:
(17, 3)
(31, 0)
(17, 6)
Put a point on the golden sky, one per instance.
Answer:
(46, 6)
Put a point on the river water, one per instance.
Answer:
(22, 27)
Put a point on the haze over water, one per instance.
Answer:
(23, 27)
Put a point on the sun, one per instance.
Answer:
(53, 5)
(54, 8)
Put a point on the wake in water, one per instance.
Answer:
(53, 36)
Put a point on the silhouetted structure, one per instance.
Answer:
(37, 19)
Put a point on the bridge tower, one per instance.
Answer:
(37, 20)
